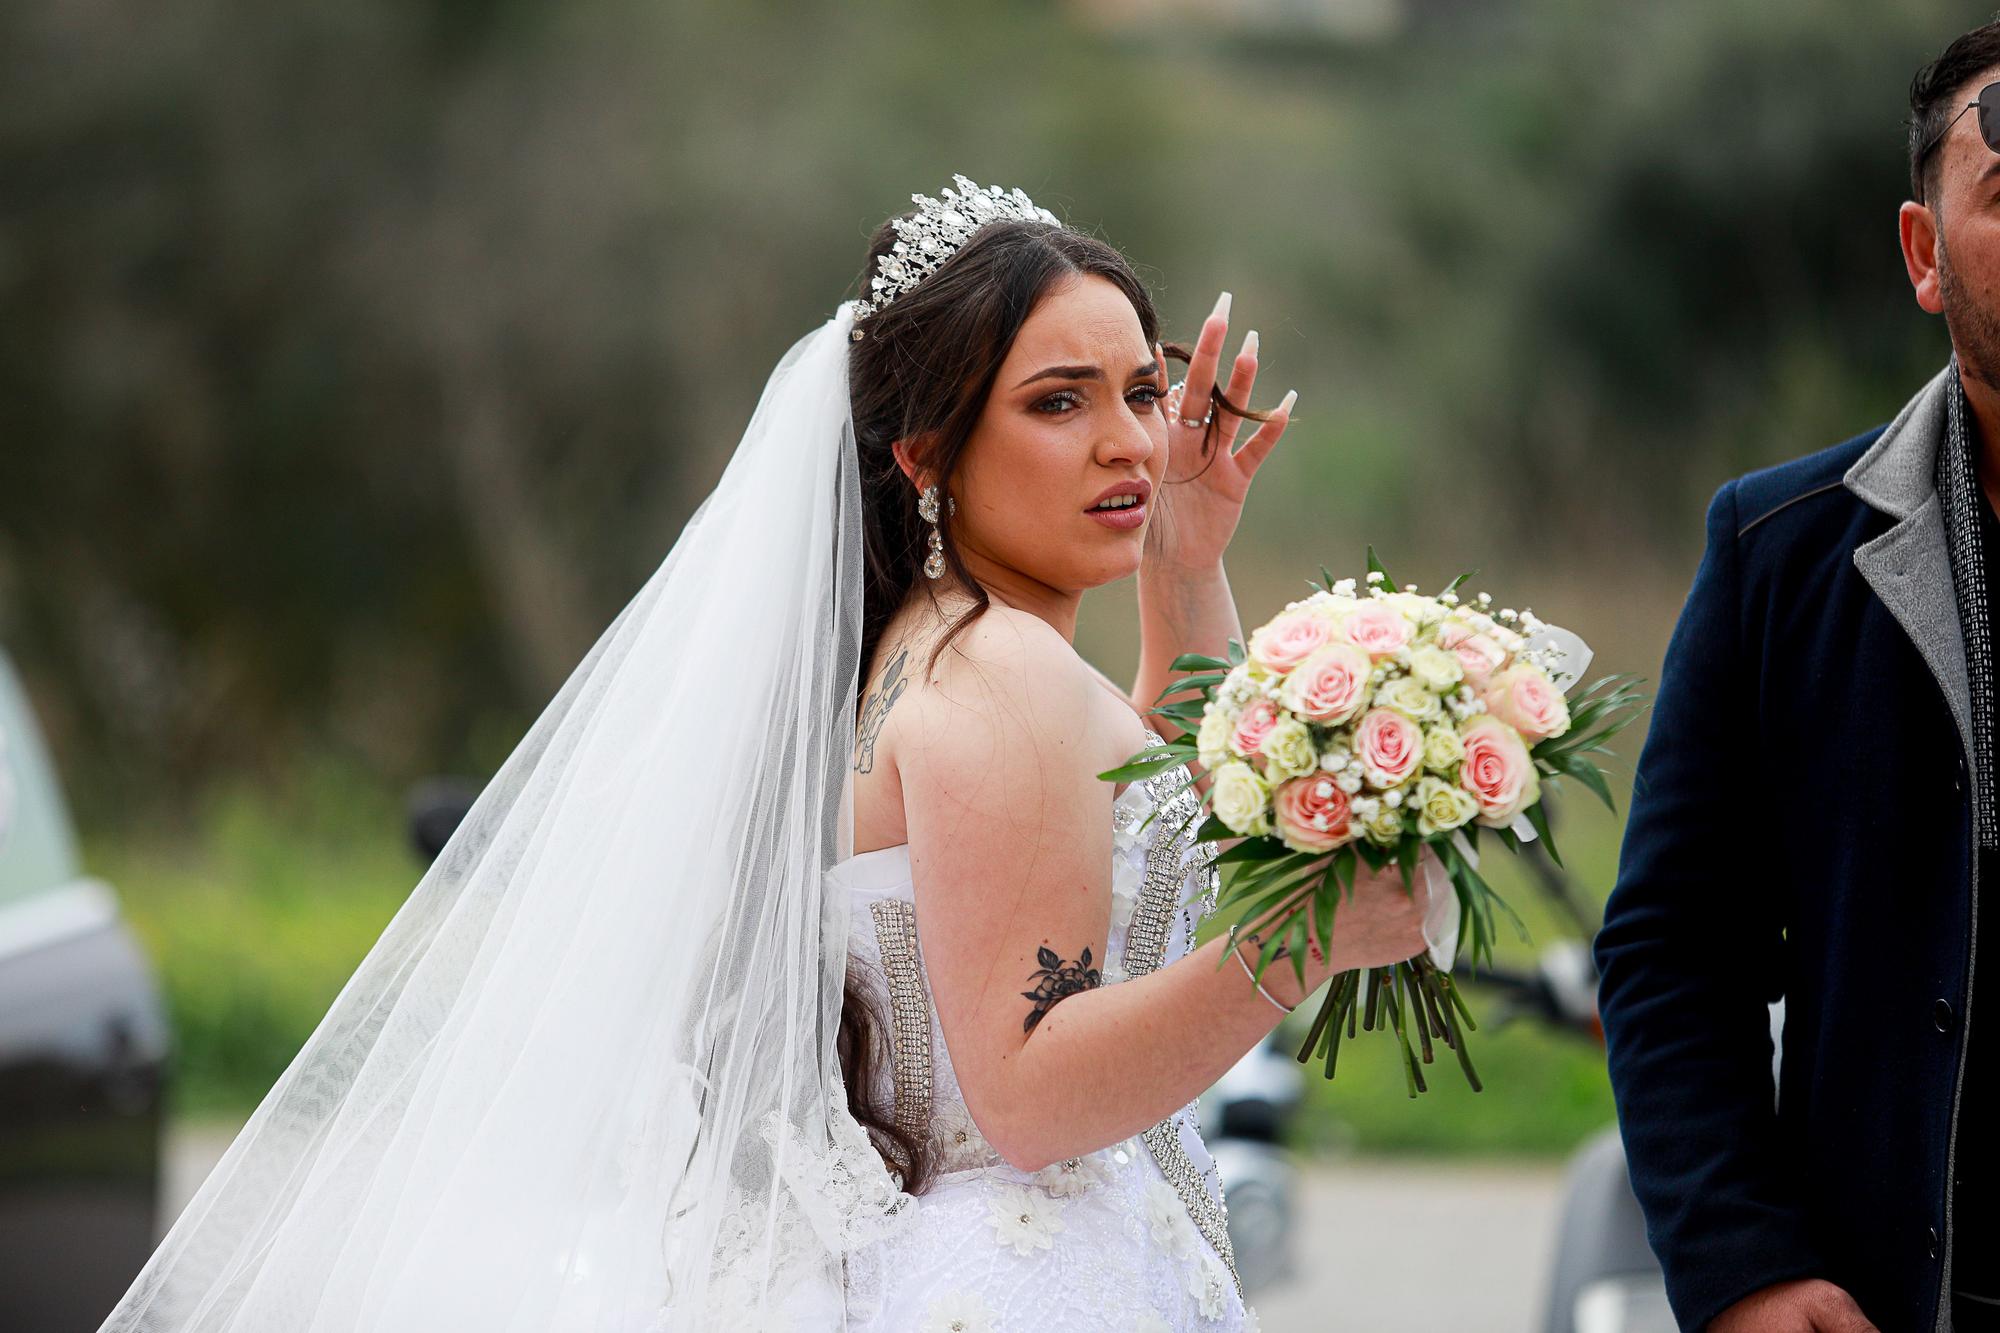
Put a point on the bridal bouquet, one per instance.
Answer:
(1364, 728)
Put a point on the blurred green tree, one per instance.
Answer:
(358, 359)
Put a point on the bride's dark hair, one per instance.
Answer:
(921, 372)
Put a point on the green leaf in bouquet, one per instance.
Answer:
(1458, 582)
(1371, 855)
(1539, 817)
(1584, 771)
(1149, 763)
(1206, 683)
(1277, 882)
(1406, 861)
(1237, 655)
(1198, 662)
(1214, 830)
(1297, 945)
(1253, 849)
(1341, 874)
(1375, 566)
(1602, 711)
(1325, 579)
(1186, 711)
(1344, 863)
(1479, 901)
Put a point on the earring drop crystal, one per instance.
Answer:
(927, 510)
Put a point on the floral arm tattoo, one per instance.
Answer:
(1056, 980)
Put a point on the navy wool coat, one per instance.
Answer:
(1801, 827)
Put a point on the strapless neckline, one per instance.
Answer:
(903, 848)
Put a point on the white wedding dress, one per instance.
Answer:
(1131, 1237)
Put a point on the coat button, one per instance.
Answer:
(1941, 1015)
(1932, 1236)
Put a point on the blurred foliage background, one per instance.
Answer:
(359, 359)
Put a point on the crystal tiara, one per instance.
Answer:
(935, 231)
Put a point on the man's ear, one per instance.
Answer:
(1918, 228)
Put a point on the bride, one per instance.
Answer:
(796, 971)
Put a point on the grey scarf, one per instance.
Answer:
(1961, 499)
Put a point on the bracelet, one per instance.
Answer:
(1282, 1007)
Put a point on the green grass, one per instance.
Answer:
(255, 919)
(257, 915)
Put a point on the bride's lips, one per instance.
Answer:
(1128, 517)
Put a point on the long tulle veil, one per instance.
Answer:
(586, 1078)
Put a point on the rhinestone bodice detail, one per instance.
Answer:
(1162, 884)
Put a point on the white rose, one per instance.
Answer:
(1421, 610)
(1386, 828)
(1241, 798)
(1439, 670)
(1289, 751)
(1442, 807)
(1442, 749)
(1218, 724)
(1409, 696)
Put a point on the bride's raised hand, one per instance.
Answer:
(1208, 474)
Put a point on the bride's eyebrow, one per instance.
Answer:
(1063, 373)
(1151, 368)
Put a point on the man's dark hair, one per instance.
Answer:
(1934, 99)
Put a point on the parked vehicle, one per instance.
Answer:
(83, 1050)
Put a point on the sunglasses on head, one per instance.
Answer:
(1988, 103)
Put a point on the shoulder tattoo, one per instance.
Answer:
(875, 707)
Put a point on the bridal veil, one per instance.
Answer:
(586, 1078)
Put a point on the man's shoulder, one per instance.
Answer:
(1801, 488)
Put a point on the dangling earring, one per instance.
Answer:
(927, 510)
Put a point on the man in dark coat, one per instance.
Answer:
(1814, 819)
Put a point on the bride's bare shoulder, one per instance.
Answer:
(1009, 675)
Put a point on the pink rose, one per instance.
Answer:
(1311, 814)
(1497, 771)
(1390, 747)
(1378, 629)
(1329, 686)
(1253, 726)
(1477, 653)
(1289, 639)
(1525, 700)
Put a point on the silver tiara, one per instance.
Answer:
(935, 231)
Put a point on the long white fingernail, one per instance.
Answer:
(1221, 307)
(1290, 398)
(1250, 343)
